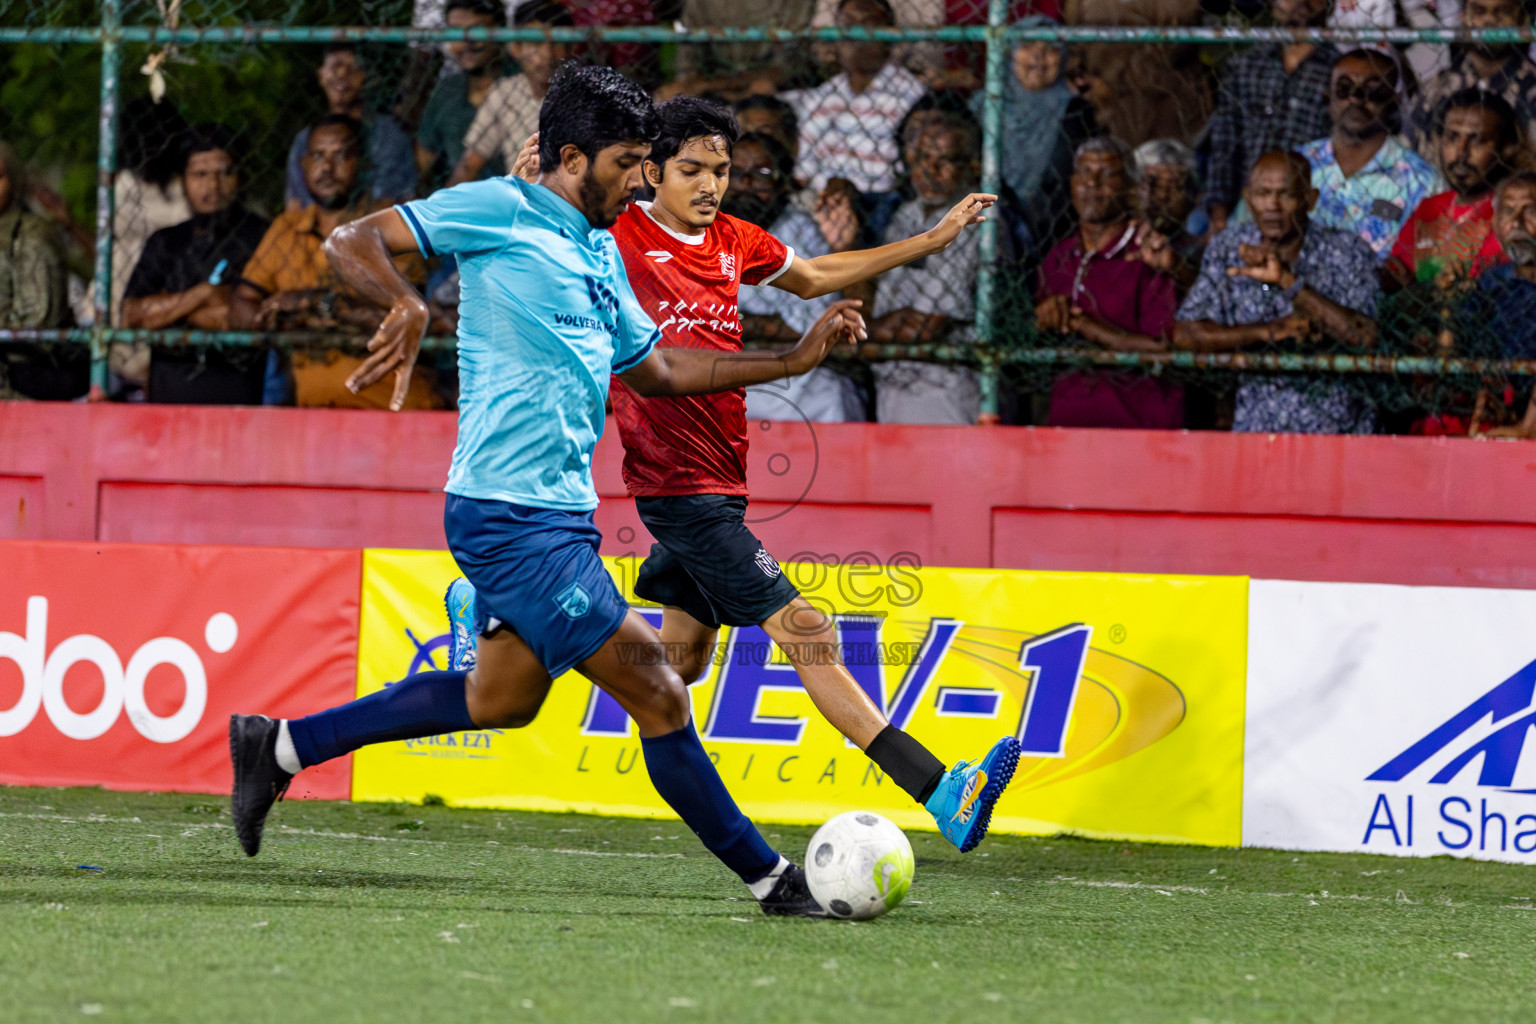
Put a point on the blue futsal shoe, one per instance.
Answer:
(463, 632)
(962, 805)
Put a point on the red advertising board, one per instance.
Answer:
(120, 664)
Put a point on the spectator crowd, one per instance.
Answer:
(1280, 197)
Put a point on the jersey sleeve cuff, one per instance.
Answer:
(417, 230)
(789, 257)
(639, 357)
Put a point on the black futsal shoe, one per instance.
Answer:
(259, 780)
(791, 897)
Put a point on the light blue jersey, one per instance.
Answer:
(545, 316)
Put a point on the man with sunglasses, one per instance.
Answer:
(1367, 182)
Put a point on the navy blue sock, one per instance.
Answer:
(686, 779)
(426, 704)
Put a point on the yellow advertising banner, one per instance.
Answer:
(1126, 692)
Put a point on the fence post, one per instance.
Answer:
(106, 167)
(991, 179)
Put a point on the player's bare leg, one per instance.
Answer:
(960, 799)
(690, 643)
(808, 639)
(507, 686)
(651, 693)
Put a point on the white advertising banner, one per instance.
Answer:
(1386, 719)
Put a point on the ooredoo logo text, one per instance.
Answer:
(43, 671)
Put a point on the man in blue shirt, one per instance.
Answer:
(547, 316)
(1282, 277)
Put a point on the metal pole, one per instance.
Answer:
(106, 167)
(991, 180)
(958, 354)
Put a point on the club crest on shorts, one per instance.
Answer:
(574, 601)
(766, 563)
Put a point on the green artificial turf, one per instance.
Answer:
(140, 907)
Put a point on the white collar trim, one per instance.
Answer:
(698, 239)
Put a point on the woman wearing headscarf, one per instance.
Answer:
(1044, 121)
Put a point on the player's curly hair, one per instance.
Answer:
(592, 107)
(687, 118)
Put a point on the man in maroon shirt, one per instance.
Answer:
(1094, 285)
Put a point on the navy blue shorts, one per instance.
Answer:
(537, 570)
(708, 563)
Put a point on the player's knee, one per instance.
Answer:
(489, 709)
(514, 720)
(675, 704)
(667, 699)
(494, 717)
(807, 623)
(807, 635)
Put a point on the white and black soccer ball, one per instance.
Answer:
(859, 865)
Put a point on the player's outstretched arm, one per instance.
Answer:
(360, 253)
(833, 272)
(697, 371)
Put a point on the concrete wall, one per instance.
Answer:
(1377, 509)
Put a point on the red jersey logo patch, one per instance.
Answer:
(728, 266)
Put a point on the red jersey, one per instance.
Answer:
(694, 444)
(1442, 231)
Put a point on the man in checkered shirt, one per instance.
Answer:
(848, 125)
(1271, 97)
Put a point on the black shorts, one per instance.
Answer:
(708, 563)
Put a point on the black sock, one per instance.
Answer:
(910, 764)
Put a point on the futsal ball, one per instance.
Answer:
(859, 865)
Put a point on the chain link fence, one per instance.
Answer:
(174, 167)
